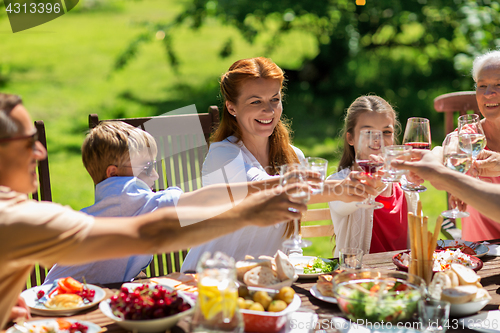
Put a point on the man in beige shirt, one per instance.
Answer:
(47, 232)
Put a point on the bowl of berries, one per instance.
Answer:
(147, 308)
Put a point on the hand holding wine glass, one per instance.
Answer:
(457, 156)
(418, 136)
(369, 157)
(295, 174)
(470, 124)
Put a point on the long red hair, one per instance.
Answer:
(231, 84)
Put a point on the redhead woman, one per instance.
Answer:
(251, 143)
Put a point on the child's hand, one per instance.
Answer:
(457, 203)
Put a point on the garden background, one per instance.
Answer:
(137, 58)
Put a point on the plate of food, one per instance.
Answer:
(308, 267)
(323, 289)
(461, 287)
(471, 248)
(266, 272)
(64, 297)
(442, 260)
(55, 326)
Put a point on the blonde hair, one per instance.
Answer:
(362, 104)
(114, 143)
(231, 85)
(483, 60)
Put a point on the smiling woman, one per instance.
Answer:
(251, 143)
(486, 75)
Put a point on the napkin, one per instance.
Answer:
(494, 250)
(486, 322)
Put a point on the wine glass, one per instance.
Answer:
(418, 136)
(319, 166)
(369, 157)
(457, 156)
(295, 173)
(470, 124)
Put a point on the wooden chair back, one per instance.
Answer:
(182, 147)
(454, 105)
(43, 193)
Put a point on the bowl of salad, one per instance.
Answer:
(368, 295)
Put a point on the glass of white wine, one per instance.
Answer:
(457, 156)
(295, 173)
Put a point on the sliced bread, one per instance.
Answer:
(459, 295)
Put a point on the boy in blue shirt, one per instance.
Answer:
(120, 160)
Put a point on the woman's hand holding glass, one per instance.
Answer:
(370, 159)
(296, 174)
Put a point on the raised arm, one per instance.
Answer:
(485, 197)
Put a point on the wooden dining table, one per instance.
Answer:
(490, 279)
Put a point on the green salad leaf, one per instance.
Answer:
(321, 266)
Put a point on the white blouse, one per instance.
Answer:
(230, 161)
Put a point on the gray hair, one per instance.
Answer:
(483, 60)
(8, 126)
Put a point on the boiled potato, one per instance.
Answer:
(256, 307)
(263, 298)
(241, 303)
(286, 294)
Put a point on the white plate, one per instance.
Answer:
(298, 260)
(92, 328)
(480, 250)
(486, 322)
(29, 296)
(467, 309)
(315, 292)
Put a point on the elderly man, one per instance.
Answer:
(46, 232)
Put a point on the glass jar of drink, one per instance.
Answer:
(216, 309)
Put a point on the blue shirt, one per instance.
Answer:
(114, 197)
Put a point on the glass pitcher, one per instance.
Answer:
(216, 308)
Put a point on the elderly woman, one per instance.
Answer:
(486, 75)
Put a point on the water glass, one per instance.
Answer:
(393, 153)
(433, 315)
(319, 165)
(351, 258)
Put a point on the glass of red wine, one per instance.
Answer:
(370, 159)
(418, 136)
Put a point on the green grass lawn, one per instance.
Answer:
(63, 71)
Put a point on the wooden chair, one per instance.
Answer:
(43, 193)
(455, 104)
(181, 150)
(313, 215)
